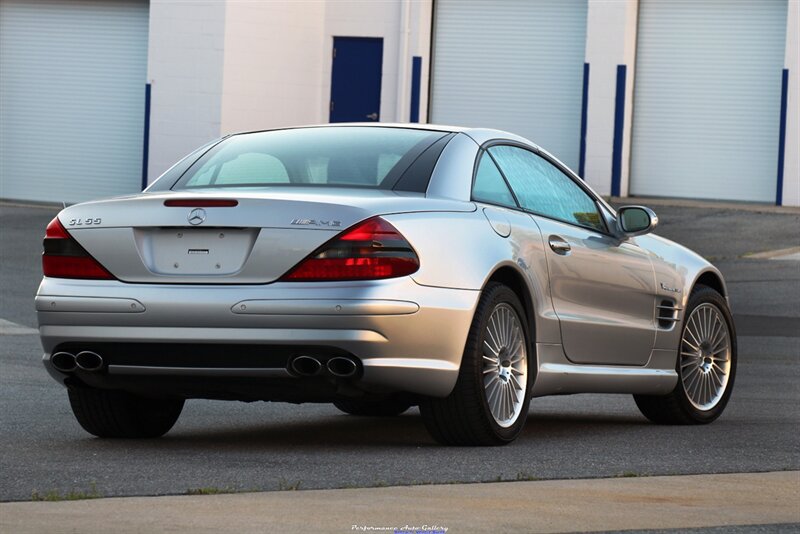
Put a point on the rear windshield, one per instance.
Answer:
(332, 156)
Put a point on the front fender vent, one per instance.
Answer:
(668, 314)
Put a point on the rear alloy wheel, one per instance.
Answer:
(489, 404)
(385, 408)
(117, 414)
(706, 365)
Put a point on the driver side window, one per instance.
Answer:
(542, 188)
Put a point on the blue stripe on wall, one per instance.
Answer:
(782, 137)
(416, 80)
(619, 124)
(146, 147)
(584, 109)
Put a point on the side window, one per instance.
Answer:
(490, 186)
(542, 188)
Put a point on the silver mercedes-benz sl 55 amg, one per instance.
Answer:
(378, 267)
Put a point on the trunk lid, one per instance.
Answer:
(139, 239)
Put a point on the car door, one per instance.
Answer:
(602, 288)
(522, 242)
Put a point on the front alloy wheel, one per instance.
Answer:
(489, 403)
(705, 357)
(706, 365)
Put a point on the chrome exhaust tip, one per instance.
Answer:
(89, 361)
(342, 367)
(63, 361)
(305, 365)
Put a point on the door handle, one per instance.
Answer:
(559, 245)
(373, 116)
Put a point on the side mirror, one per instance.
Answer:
(635, 220)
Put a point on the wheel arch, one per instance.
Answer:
(711, 278)
(515, 280)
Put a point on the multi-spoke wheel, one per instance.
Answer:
(706, 364)
(505, 365)
(705, 357)
(489, 404)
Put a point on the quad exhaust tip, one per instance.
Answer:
(306, 365)
(342, 367)
(64, 362)
(338, 366)
(89, 361)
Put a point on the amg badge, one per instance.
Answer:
(315, 222)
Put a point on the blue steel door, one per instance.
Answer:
(356, 79)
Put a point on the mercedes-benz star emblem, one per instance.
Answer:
(197, 216)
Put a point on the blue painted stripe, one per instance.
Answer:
(584, 110)
(146, 147)
(416, 80)
(619, 125)
(782, 137)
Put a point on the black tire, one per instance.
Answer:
(116, 414)
(464, 417)
(385, 408)
(676, 407)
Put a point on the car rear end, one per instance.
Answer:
(298, 288)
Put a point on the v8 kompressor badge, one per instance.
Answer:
(665, 287)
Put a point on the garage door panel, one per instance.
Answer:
(707, 99)
(512, 65)
(72, 78)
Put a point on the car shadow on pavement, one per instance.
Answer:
(348, 431)
(336, 430)
(573, 425)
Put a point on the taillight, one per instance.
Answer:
(63, 257)
(371, 250)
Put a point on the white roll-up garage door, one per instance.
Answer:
(512, 65)
(707, 98)
(72, 95)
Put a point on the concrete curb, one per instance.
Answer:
(677, 502)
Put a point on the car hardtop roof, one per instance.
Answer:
(480, 135)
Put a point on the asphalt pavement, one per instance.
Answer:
(229, 446)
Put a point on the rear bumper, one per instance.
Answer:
(408, 338)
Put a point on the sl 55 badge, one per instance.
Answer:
(85, 222)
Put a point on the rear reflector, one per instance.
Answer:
(371, 250)
(200, 203)
(63, 257)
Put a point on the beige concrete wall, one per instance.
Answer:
(610, 41)
(272, 74)
(185, 59)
